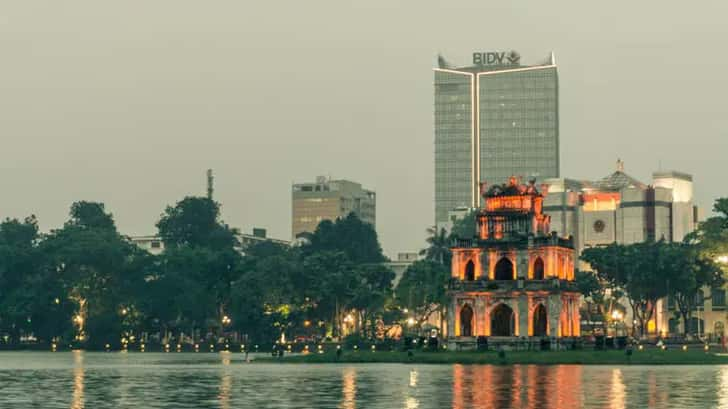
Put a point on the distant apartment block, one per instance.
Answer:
(327, 199)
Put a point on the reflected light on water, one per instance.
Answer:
(226, 381)
(411, 402)
(413, 379)
(723, 389)
(617, 390)
(348, 389)
(518, 386)
(77, 401)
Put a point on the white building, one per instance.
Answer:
(620, 209)
(155, 245)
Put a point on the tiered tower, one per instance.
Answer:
(514, 278)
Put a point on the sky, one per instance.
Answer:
(129, 102)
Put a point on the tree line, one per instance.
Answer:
(643, 273)
(86, 284)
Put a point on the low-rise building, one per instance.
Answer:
(155, 244)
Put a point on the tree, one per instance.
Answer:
(26, 299)
(269, 293)
(195, 221)
(332, 282)
(594, 292)
(422, 289)
(95, 269)
(355, 238)
(637, 269)
(687, 274)
(466, 227)
(372, 289)
(438, 249)
(201, 257)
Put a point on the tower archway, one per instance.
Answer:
(539, 321)
(466, 321)
(470, 271)
(538, 269)
(504, 269)
(502, 321)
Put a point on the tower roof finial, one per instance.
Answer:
(620, 165)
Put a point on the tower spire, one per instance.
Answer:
(210, 180)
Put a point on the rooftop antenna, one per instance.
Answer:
(210, 180)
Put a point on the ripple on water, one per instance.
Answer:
(222, 380)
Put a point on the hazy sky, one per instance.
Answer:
(129, 102)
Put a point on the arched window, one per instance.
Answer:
(466, 321)
(502, 321)
(538, 273)
(504, 269)
(470, 271)
(539, 321)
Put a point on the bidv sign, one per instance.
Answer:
(497, 58)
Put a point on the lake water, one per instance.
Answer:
(222, 380)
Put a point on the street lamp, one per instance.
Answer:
(226, 320)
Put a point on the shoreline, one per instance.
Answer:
(610, 357)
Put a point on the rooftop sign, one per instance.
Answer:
(497, 58)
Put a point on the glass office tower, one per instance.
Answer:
(493, 121)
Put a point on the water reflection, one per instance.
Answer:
(486, 386)
(80, 380)
(77, 401)
(348, 389)
(411, 401)
(226, 381)
(617, 390)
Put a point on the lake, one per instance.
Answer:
(223, 380)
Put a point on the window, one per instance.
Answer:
(156, 244)
(718, 298)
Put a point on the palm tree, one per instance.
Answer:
(439, 246)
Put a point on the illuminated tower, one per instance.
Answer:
(493, 119)
(513, 278)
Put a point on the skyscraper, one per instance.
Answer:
(493, 120)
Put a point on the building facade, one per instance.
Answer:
(493, 120)
(621, 209)
(515, 278)
(155, 244)
(328, 199)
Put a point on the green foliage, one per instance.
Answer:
(438, 246)
(93, 268)
(195, 222)
(355, 238)
(687, 274)
(422, 289)
(589, 285)
(466, 227)
(649, 271)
